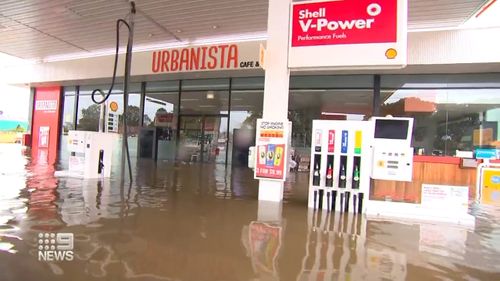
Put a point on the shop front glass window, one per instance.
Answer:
(322, 104)
(208, 102)
(161, 106)
(452, 113)
(69, 109)
(160, 114)
(68, 122)
(247, 97)
(306, 105)
(203, 131)
(88, 114)
(448, 120)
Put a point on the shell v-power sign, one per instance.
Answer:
(348, 34)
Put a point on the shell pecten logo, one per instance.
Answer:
(113, 106)
(391, 53)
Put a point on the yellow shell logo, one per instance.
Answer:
(391, 53)
(113, 106)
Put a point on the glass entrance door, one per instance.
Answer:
(203, 139)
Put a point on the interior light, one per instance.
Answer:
(210, 95)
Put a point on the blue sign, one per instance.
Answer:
(486, 153)
(345, 140)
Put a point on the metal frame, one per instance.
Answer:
(376, 95)
(75, 106)
(228, 119)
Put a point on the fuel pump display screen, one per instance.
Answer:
(391, 129)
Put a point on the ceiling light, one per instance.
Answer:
(210, 95)
(150, 35)
(156, 101)
(178, 31)
(215, 26)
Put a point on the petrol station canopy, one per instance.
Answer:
(51, 30)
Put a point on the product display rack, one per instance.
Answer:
(340, 165)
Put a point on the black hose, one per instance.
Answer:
(106, 96)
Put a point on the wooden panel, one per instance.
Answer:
(424, 173)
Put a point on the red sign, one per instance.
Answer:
(344, 22)
(270, 161)
(46, 123)
(331, 141)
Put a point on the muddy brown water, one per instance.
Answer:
(201, 222)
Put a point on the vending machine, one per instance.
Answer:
(90, 153)
(340, 165)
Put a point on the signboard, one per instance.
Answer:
(205, 58)
(45, 128)
(486, 153)
(348, 34)
(164, 119)
(46, 105)
(445, 197)
(271, 149)
(490, 186)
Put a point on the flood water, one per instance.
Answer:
(203, 222)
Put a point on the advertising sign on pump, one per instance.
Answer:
(348, 34)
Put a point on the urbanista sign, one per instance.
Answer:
(206, 58)
(348, 34)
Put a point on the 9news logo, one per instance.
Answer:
(55, 246)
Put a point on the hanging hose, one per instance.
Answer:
(125, 88)
(106, 96)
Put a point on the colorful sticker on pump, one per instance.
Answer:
(358, 136)
(345, 141)
(331, 141)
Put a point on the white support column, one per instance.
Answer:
(277, 81)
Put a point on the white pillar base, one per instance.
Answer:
(269, 211)
(270, 191)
